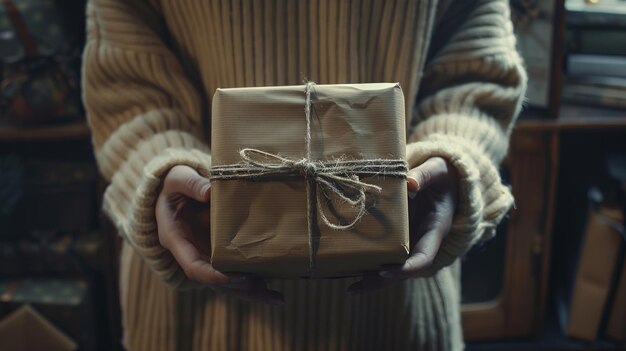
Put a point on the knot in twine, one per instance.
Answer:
(337, 178)
(306, 168)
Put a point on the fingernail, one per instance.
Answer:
(205, 190)
(412, 184)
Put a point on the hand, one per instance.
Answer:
(183, 221)
(430, 219)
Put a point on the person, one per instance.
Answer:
(150, 68)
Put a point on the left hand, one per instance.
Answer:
(430, 219)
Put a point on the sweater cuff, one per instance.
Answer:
(483, 199)
(131, 197)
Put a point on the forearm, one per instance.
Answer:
(471, 93)
(145, 117)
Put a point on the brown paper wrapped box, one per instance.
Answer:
(261, 225)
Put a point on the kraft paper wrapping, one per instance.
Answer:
(260, 226)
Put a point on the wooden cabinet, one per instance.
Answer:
(522, 312)
(517, 311)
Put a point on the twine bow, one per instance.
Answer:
(337, 178)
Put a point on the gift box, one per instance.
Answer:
(65, 303)
(308, 180)
(26, 330)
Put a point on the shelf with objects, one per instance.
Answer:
(559, 146)
(54, 252)
(73, 130)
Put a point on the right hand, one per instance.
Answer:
(183, 221)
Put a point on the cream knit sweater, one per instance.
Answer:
(150, 69)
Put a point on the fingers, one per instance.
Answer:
(193, 262)
(242, 286)
(421, 257)
(178, 239)
(185, 180)
(434, 170)
(431, 234)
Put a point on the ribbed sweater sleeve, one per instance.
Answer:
(145, 118)
(470, 94)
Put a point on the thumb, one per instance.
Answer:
(185, 180)
(427, 174)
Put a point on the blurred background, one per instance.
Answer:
(554, 278)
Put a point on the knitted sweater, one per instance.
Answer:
(150, 69)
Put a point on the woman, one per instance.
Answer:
(150, 68)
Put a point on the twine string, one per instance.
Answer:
(338, 178)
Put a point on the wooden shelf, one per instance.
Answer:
(572, 118)
(68, 131)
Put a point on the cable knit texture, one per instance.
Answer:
(150, 68)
